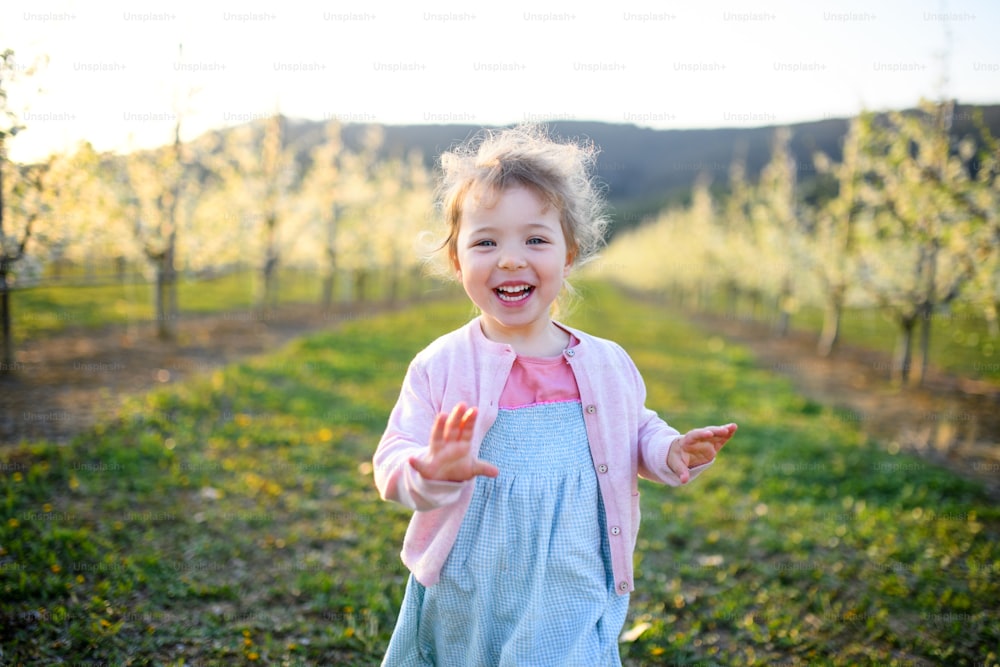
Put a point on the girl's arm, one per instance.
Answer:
(665, 455)
(422, 460)
(656, 440)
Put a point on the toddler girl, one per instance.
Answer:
(518, 440)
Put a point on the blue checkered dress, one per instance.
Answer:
(528, 581)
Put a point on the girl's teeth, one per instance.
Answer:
(513, 294)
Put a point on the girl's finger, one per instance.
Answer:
(484, 468)
(704, 434)
(467, 423)
(437, 431)
(453, 422)
(418, 465)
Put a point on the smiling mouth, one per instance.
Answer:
(512, 293)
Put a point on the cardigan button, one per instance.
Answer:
(615, 530)
(602, 468)
(623, 585)
(591, 409)
(570, 352)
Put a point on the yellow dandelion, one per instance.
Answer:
(105, 623)
(55, 568)
(657, 650)
(324, 435)
(47, 507)
(247, 641)
(349, 632)
(80, 579)
(252, 655)
(13, 523)
(18, 477)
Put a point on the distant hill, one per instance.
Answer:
(646, 168)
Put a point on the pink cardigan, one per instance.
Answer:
(627, 440)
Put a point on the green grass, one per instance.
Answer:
(40, 311)
(960, 342)
(232, 519)
(960, 339)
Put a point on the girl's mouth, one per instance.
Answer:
(513, 293)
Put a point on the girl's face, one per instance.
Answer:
(512, 258)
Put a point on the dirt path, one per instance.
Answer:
(67, 382)
(951, 421)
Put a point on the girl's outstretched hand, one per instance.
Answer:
(697, 447)
(449, 458)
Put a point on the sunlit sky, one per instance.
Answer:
(115, 75)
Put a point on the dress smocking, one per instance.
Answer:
(529, 579)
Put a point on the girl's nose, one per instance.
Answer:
(511, 260)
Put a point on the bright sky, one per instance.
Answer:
(114, 67)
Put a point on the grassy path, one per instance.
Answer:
(232, 519)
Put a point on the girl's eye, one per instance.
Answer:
(536, 240)
(484, 243)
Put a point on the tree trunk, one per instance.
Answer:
(273, 288)
(330, 278)
(831, 322)
(172, 305)
(7, 261)
(269, 268)
(268, 289)
(360, 285)
(329, 284)
(784, 307)
(904, 359)
(8, 342)
(330, 275)
(925, 341)
(926, 310)
(161, 299)
(733, 300)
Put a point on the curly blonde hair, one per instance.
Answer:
(525, 155)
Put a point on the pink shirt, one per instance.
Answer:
(534, 380)
(627, 440)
